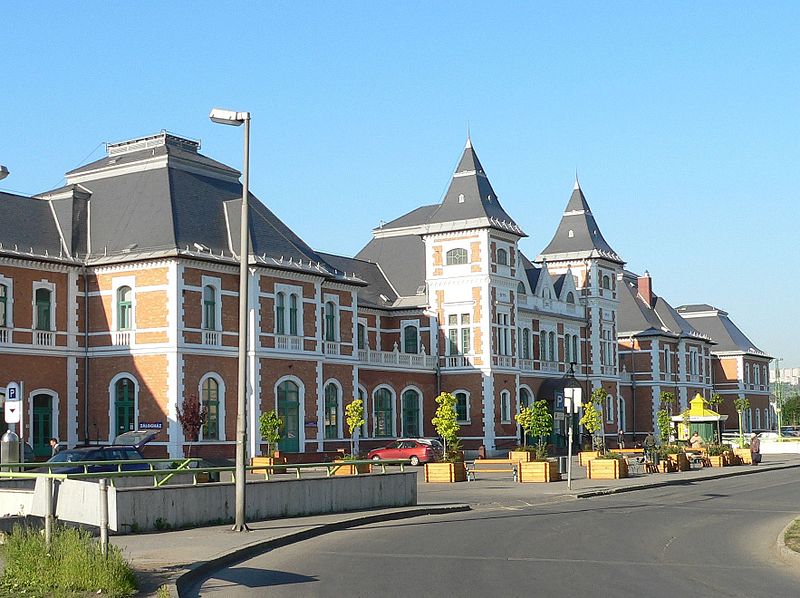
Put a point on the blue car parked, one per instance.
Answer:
(126, 447)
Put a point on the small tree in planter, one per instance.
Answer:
(445, 422)
(741, 406)
(663, 421)
(525, 420)
(354, 416)
(191, 417)
(592, 418)
(541, 426)
(269, 426)
(668, 401)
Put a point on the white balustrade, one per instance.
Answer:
(122, 338)
(289, 343)
(5, 336)
(44, 338)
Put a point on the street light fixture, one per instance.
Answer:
(572, 404)
(231, 117)
(3, 172)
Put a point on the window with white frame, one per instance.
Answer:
(567, 348)
(458, 334)
(410, 338)
(551, 346)
(521, 289)
(526, 343)
(747, 373)
(384, 412)
(505, 407)
(280, 313)
(124, 308)
(456, 257)
(756, 375)
(210, 401)
(331, 321)
(609, 409)
(693, 364)
(462, 406)
(503, 334)
(331, 411)
(542, 345)
(502, 257)
(576, 354)
(44, 306)
(6, 301)
(362, 335)
(210, 300)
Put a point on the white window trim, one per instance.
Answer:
(9, 283)
(112, 401)
(216, 284)
(447, 251)
(363, 322)
(621, 423)
(339, 409)
(505, 396)
(117, 283)
(420, 418)
(394, 411)
(301, 408)
(527, 389)
(50, 286)
(221, 403)
(469, 403)
(337, 333)
(609, 409)
(289, 290)
(413, 324)
(54, 403)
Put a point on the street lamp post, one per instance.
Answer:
(778, 394)
(231, 117)
(572, 403)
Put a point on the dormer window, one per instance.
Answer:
(460, 198)
(606, 282)
(570, 297)
(571, 233)
(521, 289)
(502, 257)
(456, 257)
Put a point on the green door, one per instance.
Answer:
(411, 414)
(123, 407)
(42, 425)
(289, 412)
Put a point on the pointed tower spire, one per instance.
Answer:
(577, 186)
(578, 235)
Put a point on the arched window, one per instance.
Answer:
(364, 431)
(576, 356)
(606, 284)
(124, 406)
(609, 409)
(567, 348)
(43, 299)
(383, 413)
(362, 336)
(209, 399)
(551, 353)
(410, 340)
(209, 308)
(289, 412)
(330, 321)
(42, 425)
(462, 407)
(456, 257)
(747, 373)
(524, 398)
(505, 406)
(756, 375)
(502, 257)
(331, 411)
(293, 314)
(280, 313)
(526, 344)
(410, 409)
(542, 345)
(521, 289)
(3, 306)
(570, 297)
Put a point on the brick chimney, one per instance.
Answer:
(646, 288)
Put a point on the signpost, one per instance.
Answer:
(13, 405)
(572, 405)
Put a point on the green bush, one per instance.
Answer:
(74, 563)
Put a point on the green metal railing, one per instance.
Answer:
(162, 475)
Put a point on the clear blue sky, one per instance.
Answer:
(681, 118)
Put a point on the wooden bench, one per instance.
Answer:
(491, 466)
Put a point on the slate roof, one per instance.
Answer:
(402, 260)
(578, 235)
(371, 273)
(532, 272)
(715, 323)
(28, 229)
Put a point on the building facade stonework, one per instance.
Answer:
(119, 299)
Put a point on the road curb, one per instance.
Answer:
(201, 571)
(785, 552)
(661, 484)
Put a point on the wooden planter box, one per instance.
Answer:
(585, 456)
(717, 460)
(744, 456)
(667, 466)
(445, 472)
(538, 471)
(350, 469)
(681, 461)
(262, 461)
(728, 458)
(606, 469)
(523, 456)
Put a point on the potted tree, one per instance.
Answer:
(536, 420)
(269, 426)
(354, 416)
(192, 417)
(592, 421)
(674, 458)
(445, 422)
(743, 452)
(525, 420)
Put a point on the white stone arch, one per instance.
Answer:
(301, 408)
(221, 398)
(54, 406)
(420, 415)
(112, 399)
(393, 396)
(339, 407)
(530, 392)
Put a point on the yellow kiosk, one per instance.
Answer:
(702, 419)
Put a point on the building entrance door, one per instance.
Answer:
(289, 412)
(42, 425)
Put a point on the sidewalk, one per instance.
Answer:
(185, 556)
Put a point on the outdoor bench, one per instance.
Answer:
(491, 466)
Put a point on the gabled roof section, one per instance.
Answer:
(28, 229)
(715, 323)
(402, 260)
(378, 293)
(578, 235)
(532, 272)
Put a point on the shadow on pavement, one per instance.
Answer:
(251, 577)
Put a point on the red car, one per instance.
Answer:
(417, 450)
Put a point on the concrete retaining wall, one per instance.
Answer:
(780, 448)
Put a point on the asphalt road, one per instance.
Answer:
(714, 538)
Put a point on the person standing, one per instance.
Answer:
(621, 439)
(755, 449)
(650, 447)
(54, 446)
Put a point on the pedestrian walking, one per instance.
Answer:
(650, 447)
(755, 449)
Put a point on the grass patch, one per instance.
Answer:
(74, 564)
(792, 536)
